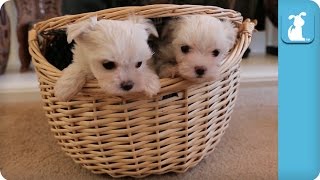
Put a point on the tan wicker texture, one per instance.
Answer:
(138, 136)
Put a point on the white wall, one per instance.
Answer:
(13, 62)
(264, 38)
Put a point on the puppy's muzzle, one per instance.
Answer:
(126, 85)
(200, 70)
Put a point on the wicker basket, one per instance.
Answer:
(139, 136)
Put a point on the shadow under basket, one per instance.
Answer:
(139, 136)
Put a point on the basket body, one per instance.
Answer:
(139, 136)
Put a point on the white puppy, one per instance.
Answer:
(193, 46)
(112, 51)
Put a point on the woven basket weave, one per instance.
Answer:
(138, 136)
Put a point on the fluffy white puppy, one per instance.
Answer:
(112, 51)
(193, 46)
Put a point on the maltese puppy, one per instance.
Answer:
(193, 47)
(114, 52)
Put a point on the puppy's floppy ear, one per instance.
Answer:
(75, 30)
(146, 23)
(231, 33)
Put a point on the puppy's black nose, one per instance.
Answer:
(127, 85)
(200, 70)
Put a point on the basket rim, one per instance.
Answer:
(137, 11)
(48, 73)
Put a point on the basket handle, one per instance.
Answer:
(32, 35)
(248, 27)
(246, 30)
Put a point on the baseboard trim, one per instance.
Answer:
(18, 96)
(258, 82)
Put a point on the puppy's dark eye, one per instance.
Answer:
(215, 53)
(109, 65)
(138, 64)
(185, 49)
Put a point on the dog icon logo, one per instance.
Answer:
(298, 26)
(295, 30)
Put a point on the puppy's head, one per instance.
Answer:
(200, 43)
(115, 52)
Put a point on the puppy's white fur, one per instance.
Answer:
(203, 34)
(122, 42)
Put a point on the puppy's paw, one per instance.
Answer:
(152, 85)
(70, 83)
(63, 91)
(168, 71)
